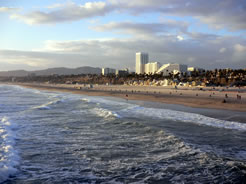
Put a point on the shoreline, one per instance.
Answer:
(186, 97)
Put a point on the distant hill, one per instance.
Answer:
(51, 71)
(14, 73)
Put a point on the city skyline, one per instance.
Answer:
(61, 33)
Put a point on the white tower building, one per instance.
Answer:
(141, 60)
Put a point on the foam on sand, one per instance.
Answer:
(9, 158)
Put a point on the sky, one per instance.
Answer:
(40, 34)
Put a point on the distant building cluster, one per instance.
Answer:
(169, 76)
(110, 71)
(107, 71)
(144, 66)
(194, 69)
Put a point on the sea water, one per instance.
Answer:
(55, 137)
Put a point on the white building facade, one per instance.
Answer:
(141, 59)
(192, 69)
(151, 68)
(172, 68)
(107, 71)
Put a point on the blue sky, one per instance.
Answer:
(56, 33)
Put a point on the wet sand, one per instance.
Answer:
(217, 98)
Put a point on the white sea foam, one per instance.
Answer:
(103, 101)
(85, 100)
(131, 110)
(42, 107)
(47, 106)
(183, 117)
(9, 158)
(105, 113)
(138, 111)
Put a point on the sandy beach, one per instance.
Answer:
(217, 98)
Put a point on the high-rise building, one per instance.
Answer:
(141, 60)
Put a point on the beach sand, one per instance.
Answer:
(192, 97)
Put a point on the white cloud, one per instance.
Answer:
(166, 41)
(25, 59)
(180, 38)
(222, 50)
(144, 29)
(239, 53)
(120, 53)
(62, 13)
(94, 21)
(54, 6)
(213, 13)
(239, 48)
(8, 9)
(230, 14)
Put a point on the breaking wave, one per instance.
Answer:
(183, 117)
(122, 109)
(104, 113)
(78, 139)
(9, 158)
(48, 105)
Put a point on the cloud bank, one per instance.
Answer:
(165, 40)
(144, 29)
(8, 9)
(63, 13)
(230, 14)
(228, 52)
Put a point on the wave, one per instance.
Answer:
(47, 106)
(123, 109)
(183, 117)
(85, 100)
(104, 101)
(9, 158)
(105, 113)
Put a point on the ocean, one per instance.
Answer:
(58, 137)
